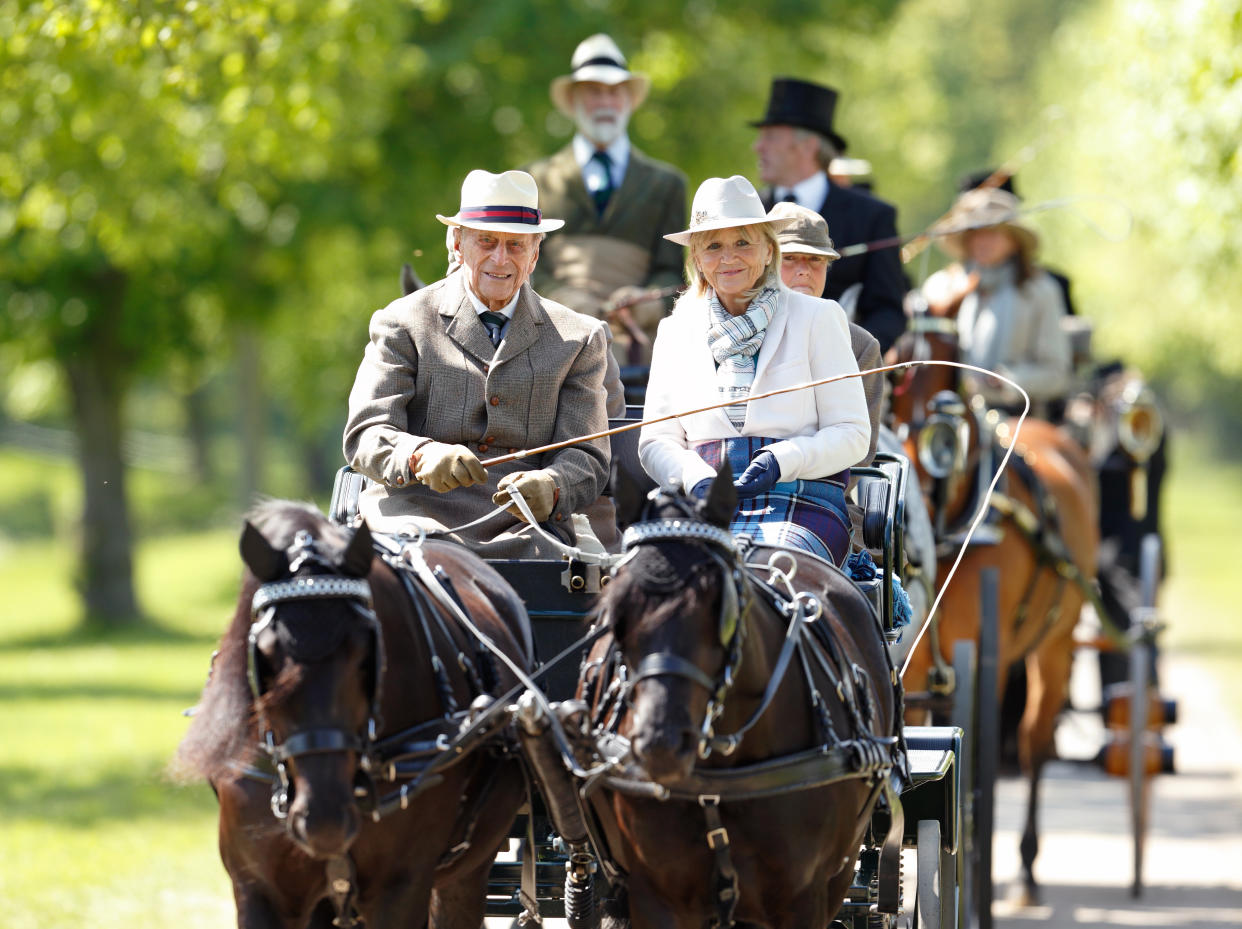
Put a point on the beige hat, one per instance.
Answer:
(598, 59)
(979, 209)
(507, 202)
(725, 202)
(806, 235)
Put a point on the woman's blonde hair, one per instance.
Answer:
(762, 232)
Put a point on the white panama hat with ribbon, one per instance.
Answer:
(507, 202)
(597, 59)
(725, 202)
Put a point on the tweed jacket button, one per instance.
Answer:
(560, 516)
(400, 480)
(486, 367)
(495, 401)
(482, 446)
(490, 438)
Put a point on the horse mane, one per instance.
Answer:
(223, 731)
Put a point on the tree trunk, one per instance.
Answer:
(97, 383)
(252, 408)
(199, 432)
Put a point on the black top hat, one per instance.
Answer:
(976, 178)
(800, 103)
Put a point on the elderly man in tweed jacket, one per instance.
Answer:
(616, 201)
(478, 365)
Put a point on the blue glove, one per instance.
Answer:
(700, 489)
(759, 477)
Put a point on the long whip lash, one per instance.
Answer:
(974, 524)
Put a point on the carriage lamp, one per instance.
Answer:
(1140, 426)
(942, 440)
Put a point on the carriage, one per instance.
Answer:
(556, 857)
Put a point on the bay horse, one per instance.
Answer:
(752, 729)
(1042, 536)
(336, 682)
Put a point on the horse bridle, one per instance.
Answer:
(325, 740)
(735, 599)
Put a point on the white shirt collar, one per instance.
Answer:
(811, 192)
(480, 307)
(618, 153)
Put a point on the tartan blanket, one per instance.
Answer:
(809, 515)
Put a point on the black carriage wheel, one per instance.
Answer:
(1142, 657)
(987, 741)
(935, 899)
(967, 862)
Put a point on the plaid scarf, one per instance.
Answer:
(735, 341)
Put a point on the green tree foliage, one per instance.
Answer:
(1152, 94)
(155, 150)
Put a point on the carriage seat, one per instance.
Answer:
(623, 447)
(879, 490)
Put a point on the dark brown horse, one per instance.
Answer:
(337, 682)
(759, 724)
(1042, 537)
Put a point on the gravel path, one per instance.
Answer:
(1193, 866)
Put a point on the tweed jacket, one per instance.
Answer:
(867, 353)
(824, 430)
(430, 372)
(650, 202)
(855, 217)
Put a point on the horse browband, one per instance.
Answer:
(316, 587)
(677, 530)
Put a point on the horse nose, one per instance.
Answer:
(324, 830)
(666, 755)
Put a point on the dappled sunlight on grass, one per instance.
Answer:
(1203, 524)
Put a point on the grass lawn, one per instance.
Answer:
(92, 832)
(1203, 516)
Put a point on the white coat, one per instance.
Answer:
(823, 430)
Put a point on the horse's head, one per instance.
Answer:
(673, 609)
(315, 664)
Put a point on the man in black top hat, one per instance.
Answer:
(796, 144)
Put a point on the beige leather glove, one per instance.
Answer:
(645, 314)
(445, 467)
(538, 487)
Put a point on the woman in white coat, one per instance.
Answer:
(739, 331)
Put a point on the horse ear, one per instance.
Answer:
(265, 562)
(721, 502)
(356, 559)
(410, 281)
(627, 495)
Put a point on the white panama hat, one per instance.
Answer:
(597, 59)
(507, 202)
(725, 202)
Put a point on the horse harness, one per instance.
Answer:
(863, 755)
(416, 755)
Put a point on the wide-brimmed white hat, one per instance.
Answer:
(979, 209)
(598, 59)
(725, 202)
(507, 202)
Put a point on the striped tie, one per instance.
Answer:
(495, 323)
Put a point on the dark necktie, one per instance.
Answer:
(601, 195)
(789, 197)
(495, 323)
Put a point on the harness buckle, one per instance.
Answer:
(718, 839)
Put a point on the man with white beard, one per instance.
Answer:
(617, 204)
